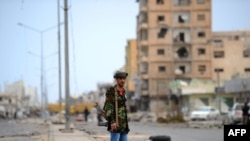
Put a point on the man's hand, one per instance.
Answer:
(114, 127)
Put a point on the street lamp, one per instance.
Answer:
(177, 76)
(42, 57)
(217, 89)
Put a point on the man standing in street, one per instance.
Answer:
(86, 114)
(245, 114)
(116, 110)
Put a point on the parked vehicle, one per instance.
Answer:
(205, 113)
(80, 118)
(2, 112)
(235, 114)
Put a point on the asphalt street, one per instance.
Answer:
(141, 131)
(23, 130)
(38, 130)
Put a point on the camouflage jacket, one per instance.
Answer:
(109, 107)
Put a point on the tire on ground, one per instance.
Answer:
(160, 138)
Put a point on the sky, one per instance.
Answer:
(98, 34)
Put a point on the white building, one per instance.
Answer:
(31, 92)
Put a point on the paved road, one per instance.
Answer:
(141, 131)
(23, 130)
(37, 130)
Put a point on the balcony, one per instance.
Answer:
(143, 5)
(142, 25)
(143, 8)
(144, 58)
(143, 42)
(182, 3)
(144, 76)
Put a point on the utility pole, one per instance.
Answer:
(42, 76)
(67, 90)
(218, 87)
(59, 63)
(157, 95)
(41, 32)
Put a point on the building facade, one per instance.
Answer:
(8, 104)
(131, 69)
(240, 87)
(231, 54)
(173, 41)
(131, 64)
(31, 93)
(18, 98)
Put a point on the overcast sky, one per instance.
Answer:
(98, 34)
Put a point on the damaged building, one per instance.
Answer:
(173, 42)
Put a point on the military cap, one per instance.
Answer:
(120, 74)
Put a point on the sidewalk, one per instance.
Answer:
(57, 132)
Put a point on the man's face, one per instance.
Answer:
(120, 81)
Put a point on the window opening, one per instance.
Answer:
(182, 36)
(143, 2)
(160, 2)
(162, 33)
(161, 69)
(246, 53)
(236, 37)
(202, 69)
(182, 52)
(183, 17)
(180, 19)
(201, 17)
(144, 51)
(200, 1)
(201, 34)
(183, 2)
(183, 69)
(144, 68)
(219, 54)
(218, 70)
(145, 84)
(201, 51)
(160, 52)
(247, 69)
(161, 18)
(218, 43)
(144, 35)
(143, 18)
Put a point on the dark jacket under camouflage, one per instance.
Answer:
(109, 107)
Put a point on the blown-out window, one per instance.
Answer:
(201, 51)
(161, 68)
(159, 2)
(161, 18)
(160, 52)
(162, 33)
